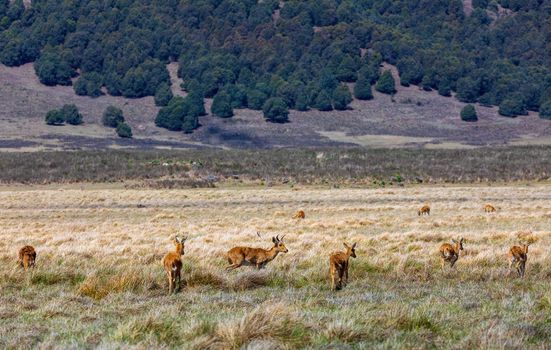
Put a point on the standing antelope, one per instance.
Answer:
(299, 215)
(488, 208)
(259, 257)
(27, 257)
(450, 252)
(425, 209)
(338, 266)
(172, 263)
(518, 256)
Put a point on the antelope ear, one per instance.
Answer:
(176, 239)
(453, 241)
(461, 240)
(274, 240)
(346, 245)
(354, 245)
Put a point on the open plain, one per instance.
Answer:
(99, 281)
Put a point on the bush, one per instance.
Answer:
(545, 110)
(163, 95)
(71, 115)
(341, 97)
(221, 105)
(89, 84)
(124, 130)
(468, 114)
(323, 102)
(276, 110)
(511, 107)
(54, 117)
(112, 117)
(362, 90)
(444, 88)
(179, 114)
(386, 84)
(256, 99)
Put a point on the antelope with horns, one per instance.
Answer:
(338, 266)
(518, 256)
(425, 210)
(450, 252)
(258, 257)
(172, 263)
(27, 257)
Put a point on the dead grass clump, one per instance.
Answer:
(204, 277)
(526, 237)
(102, 284)
(150, 328)
(250, 280)
(272, 322)
(344, 331)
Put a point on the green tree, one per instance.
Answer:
(444, 88)
(468, 90)
(386, 83)
(221, 105)
(256, 99)
(468, 114)
(163, 95)
(124, 130)
(323, 101)
(362, 89)
(276, 110)
(511, 107)
(341, 97)
(545, 110)
(112, 117)
(301, 103)
(89, 84)
(196, 104)
(171, 117)
(54, 117)
(71, 114)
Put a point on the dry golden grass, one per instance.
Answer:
(99, 281)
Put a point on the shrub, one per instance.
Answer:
(89, 84)
(256, 99)
(163, 95)
(275, 110)
(444, 88)
(179, 114)
(112, 117)
(124, 130)
(386, 84)
(362, 90)
(545, 110)
(221, 105)
(341, 97)
(511, 107)
(71, 114)
(323, 101)
(54, 117)
(468, 114)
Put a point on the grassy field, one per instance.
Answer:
(99, 281)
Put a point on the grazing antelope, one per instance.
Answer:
(27, 257)
(172, 263)
(425, 209)
(299, 215)
(258, 257)
(338, 266)
(450, 252)
(518, 256)
(488, 208)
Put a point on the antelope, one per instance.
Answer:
(425, 209)
(27, 257)
(299, 215)
(338, 266)
(518, 256)
(450, 252)
(172, 263)
(258, 257)
(488, 208)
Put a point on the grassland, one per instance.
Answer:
(99, 281)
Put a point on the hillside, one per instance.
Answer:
(321, 60)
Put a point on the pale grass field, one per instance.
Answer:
(99, 281)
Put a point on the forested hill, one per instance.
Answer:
(286, 54)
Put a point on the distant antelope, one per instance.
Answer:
(299, 215)
(258, 257)
(172, 263)
(425, 209)
(338, 266)
(488, 208)
(450, 252)
(27, 257)
(518, 256)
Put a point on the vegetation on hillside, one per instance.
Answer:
(299, 51)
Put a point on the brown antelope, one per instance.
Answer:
(299, 215)
(425, 210)
(172, 263)
(338, 266)
(258, 257)
(488, 208)
(450, 252)
(27, 257)
(518, 256)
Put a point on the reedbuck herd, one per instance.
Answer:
(338, 261)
